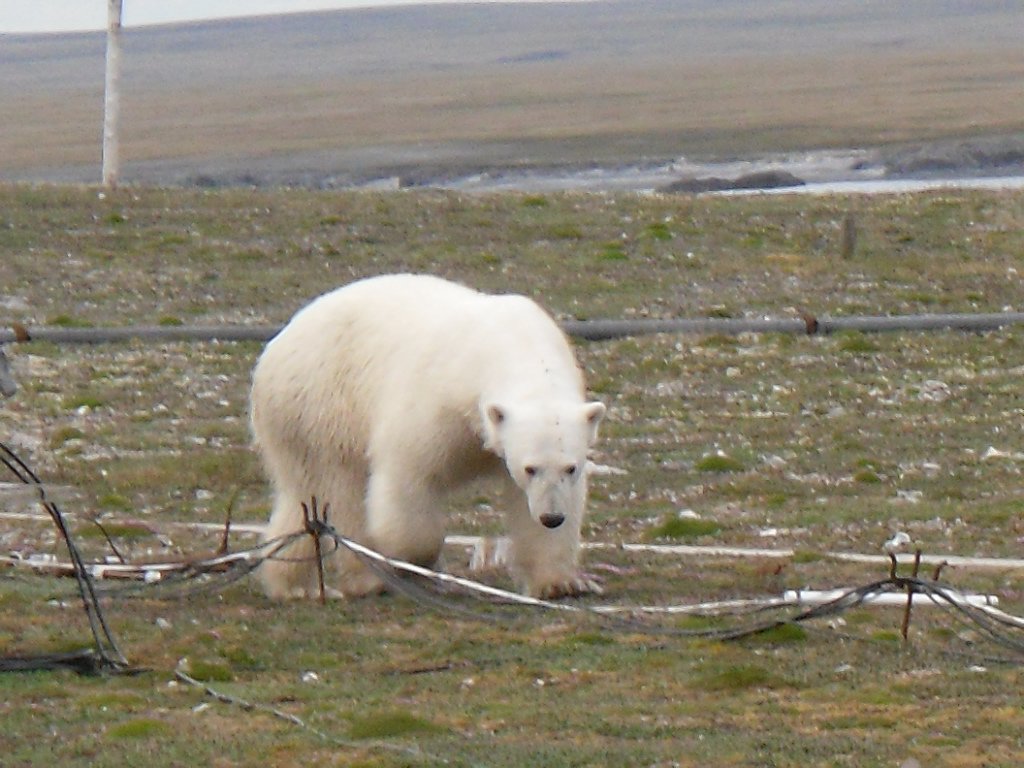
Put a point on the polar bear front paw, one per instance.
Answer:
(575, 586)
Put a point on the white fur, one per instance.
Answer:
(381, 397)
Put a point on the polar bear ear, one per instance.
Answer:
(494, 417)
(593, 413)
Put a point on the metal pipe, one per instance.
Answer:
(592, 330)
(595, 330)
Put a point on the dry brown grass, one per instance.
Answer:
(247, 98)
(562, 112)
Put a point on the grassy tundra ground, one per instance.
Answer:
(833, 443)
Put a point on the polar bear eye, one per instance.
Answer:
(530, 470)
(570, 470)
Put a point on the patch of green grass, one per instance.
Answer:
(535, 201)
(613, 252)
(697, 622)
(591, 638)
(806, 556)
(565, 231)
(114, 501)
(65, 435)
(736, 677)
(139, 728)
(119, 699)
(783, 633)
(684, 528)
(856, 342)
(207, 671)
(860, 722)
(240, 657)
(116, 530)
(67, 321)
(887, 636)
(718, 462)
(84, 401)
(718, 340)
(659, 230)
(922, 298)
(390, 724)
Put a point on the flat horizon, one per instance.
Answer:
(21, 17)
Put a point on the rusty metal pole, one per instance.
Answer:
(112, 97)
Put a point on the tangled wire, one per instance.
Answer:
(104, 656)
(439, 591)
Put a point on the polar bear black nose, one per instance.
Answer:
(552, 520)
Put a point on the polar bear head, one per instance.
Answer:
(544, 446)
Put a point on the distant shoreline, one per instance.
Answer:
(981, 161)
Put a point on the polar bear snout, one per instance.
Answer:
(552, 520)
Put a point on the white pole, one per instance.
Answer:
(112, 97)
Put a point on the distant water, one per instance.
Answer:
(824, 172)
(887, 186)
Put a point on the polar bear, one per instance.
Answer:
(381, 397)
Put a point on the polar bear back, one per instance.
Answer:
(403, 354)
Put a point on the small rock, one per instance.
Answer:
(604, 469)
(933, 391)
(899, 540)
(910, 497)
